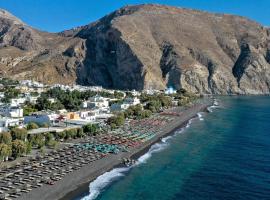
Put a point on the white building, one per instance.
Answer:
(95, 114)
(132, 101)
(89, 115)
(96, 102)
(11, 111)
(126, 104)
(32, 99)
(7, 122)
(17, 101)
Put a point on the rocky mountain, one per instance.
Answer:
(149, 46)
(27, 53)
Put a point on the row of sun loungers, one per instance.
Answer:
(52, 167)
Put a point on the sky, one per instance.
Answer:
(59, 15)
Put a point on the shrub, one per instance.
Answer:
(31, 126)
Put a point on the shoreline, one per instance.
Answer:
(77, 183)
(84, 187)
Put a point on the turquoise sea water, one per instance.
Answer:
(223, 155)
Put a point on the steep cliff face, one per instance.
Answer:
(153, 46)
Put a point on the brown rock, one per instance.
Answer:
(150, 46)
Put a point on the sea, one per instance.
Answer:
(220, 155)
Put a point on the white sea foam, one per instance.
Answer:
(200, 116)
(209, 109)
(166, 138)
(98, 185)
(189, 123)
(216, 102)
(154, 149)
(215, 105)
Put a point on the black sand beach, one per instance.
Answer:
(77, 182)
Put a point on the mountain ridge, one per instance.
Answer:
(155, 46)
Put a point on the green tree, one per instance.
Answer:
(34, 94)
(37, 140)
(8, 82)
(60, 135)
(137, 109)
(118, 120)
(144, 114)
(129, 112)
(153, 106)
(57, 106)
(31, 126)
(42, 150)
(18, 148)
(133, 111)
(183, 101)
(19, 134)
(43, 103)
(165, 100)
(10, 93)
(29, 109)
(80, 133)
(5, 151)
(118, 95)
(129, 94)
(90, 128)
(28, 147)
(48, 138)
(113, 126)
(40, 141)
(71, 133)
(44, 125)
(5, 138)
(53, 144)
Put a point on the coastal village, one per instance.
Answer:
(134, 100)
(49, 132)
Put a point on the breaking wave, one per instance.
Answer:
(200, 116)
(215, 105)
(98, 185)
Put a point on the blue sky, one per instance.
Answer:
(58, 15)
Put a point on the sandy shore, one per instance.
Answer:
(77, 182)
